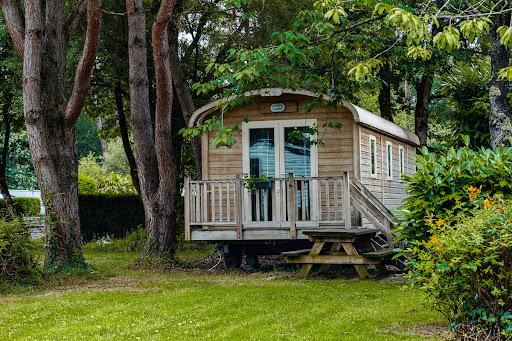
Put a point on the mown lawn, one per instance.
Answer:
(119, 303)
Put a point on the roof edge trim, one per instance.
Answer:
(360, 115)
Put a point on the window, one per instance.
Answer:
(373, 156)
(389, 159)
(401, 158)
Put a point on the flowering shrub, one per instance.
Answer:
(465, 267)
(441, 183)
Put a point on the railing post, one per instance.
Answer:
(346, 201)
(238, 208)
(389, 235)
(188, 232)
(292, 197)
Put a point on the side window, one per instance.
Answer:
(373, 156)
(401, 159)
(389, 159)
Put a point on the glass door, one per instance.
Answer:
(274, 149)
(262, 160)
(299, 156)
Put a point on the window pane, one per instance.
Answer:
(297, 156)
(372, 147)
(401, 160)
(262, 152)
(262, 161)
(389, 160)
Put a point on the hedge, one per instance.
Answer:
(114, 215)
(29, 207)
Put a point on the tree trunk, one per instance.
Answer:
(52, 147)
(40, 36)
(500, 114)
(3, 163)
(423, 98)
(184, 95)
(99, 126)
(125, 137)
(385, 93)
(154, 151)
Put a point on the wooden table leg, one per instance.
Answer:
(351, 251)
(306, 268)
(325, 267)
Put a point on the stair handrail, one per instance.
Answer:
(388, 222)
(382, 208)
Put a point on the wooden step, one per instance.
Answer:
(382, 253)
(295, 253)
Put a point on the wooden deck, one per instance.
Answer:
(225, 210)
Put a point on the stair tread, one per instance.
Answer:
(379, 253)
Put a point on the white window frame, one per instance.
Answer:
(401, 159)
(373, 157)
(389, 160)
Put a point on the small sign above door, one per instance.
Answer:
(278, 107)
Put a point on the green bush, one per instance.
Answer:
(86, 184)
(29, 207)
(17, 261)
(115, 160)
(109, 215)
(465, 267)
(91, 166)
(441, 180)
(115, 184)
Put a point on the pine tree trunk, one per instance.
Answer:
(3, 164)
(154, 152)
(51, 144)
(423, 98)
(125, 137)
(56, 165)
(500, 114)
(385, 94)
(184, 95)
(40, 36)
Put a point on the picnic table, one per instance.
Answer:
(342, 251)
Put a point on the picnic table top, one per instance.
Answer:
(340, 232)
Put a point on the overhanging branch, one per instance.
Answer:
(74, 18)
(15, 20)
(83, 72)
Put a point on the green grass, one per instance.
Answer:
(120, 303)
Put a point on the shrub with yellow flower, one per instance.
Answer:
(465, 265)
(473, 192)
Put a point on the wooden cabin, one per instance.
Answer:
(351, 181)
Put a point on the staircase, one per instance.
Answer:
(378, 215)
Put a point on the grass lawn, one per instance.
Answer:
(120, 303)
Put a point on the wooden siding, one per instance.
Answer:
(333, 159)
(390, 192)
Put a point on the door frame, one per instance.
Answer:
(279, 126)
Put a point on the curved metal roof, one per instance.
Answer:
(361, 115)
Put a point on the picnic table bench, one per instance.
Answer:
(342, 251)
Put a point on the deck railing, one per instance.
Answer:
(277, 203)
